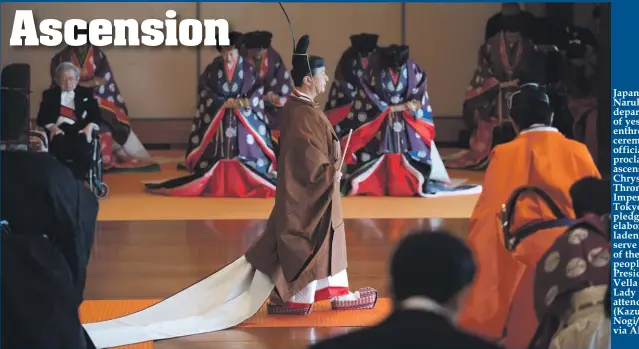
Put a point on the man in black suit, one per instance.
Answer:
(70, 114)
(430, 274)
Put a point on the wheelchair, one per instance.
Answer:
(95, 177)
(39, 142)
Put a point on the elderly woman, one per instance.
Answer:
(70, 114)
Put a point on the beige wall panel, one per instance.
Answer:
(444, 40)
(161, 82)
(155, 82)
(328, 24)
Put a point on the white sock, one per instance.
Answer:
(351, 296)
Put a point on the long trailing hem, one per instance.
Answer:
(226, 178)
(134, 148)
(397, 175)
(224, 299)
(138, 160)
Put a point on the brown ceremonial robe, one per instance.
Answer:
(304, 238)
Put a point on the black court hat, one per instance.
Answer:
(393, 56)
(302, 61)
(235, 39)
(364, 43)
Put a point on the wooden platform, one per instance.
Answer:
(128, 200)
(150, 247)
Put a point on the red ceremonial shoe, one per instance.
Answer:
(367, 299)
(289, 309)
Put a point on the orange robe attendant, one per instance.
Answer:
(540, 157)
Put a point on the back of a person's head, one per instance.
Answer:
(13, 115)
(432, 264)
(591, 195)
(530, 106)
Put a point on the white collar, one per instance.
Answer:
(68, 93)
(539, 128)
(426, 304)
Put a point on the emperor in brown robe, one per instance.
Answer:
(298, 260)
(303, 249)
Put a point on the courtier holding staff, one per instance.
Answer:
(298, 260)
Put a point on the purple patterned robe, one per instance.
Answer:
(220, 133)
(273, 75)
(392, 133)
(579, 259)
(378, 131)
(350, 69)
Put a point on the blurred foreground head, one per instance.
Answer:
(591, 195)
(14, 119)
(434, 265)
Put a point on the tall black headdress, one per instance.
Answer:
(364, 43)
(393, 56)
(257, 39)
(235, 39)
(303, 64)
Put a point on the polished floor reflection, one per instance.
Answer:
(155, 259)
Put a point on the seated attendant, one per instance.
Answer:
(539, 156)
(572, 278)
(505, 62)
(70, 114)
(350, 69)
(271, 73)
(392, 150)
(230, 151)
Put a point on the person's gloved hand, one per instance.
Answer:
(88, 131)
(54, 131)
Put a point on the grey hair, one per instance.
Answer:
(64, 66)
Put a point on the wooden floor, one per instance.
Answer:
(129, 201)
(155, 259)
(150, 247)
